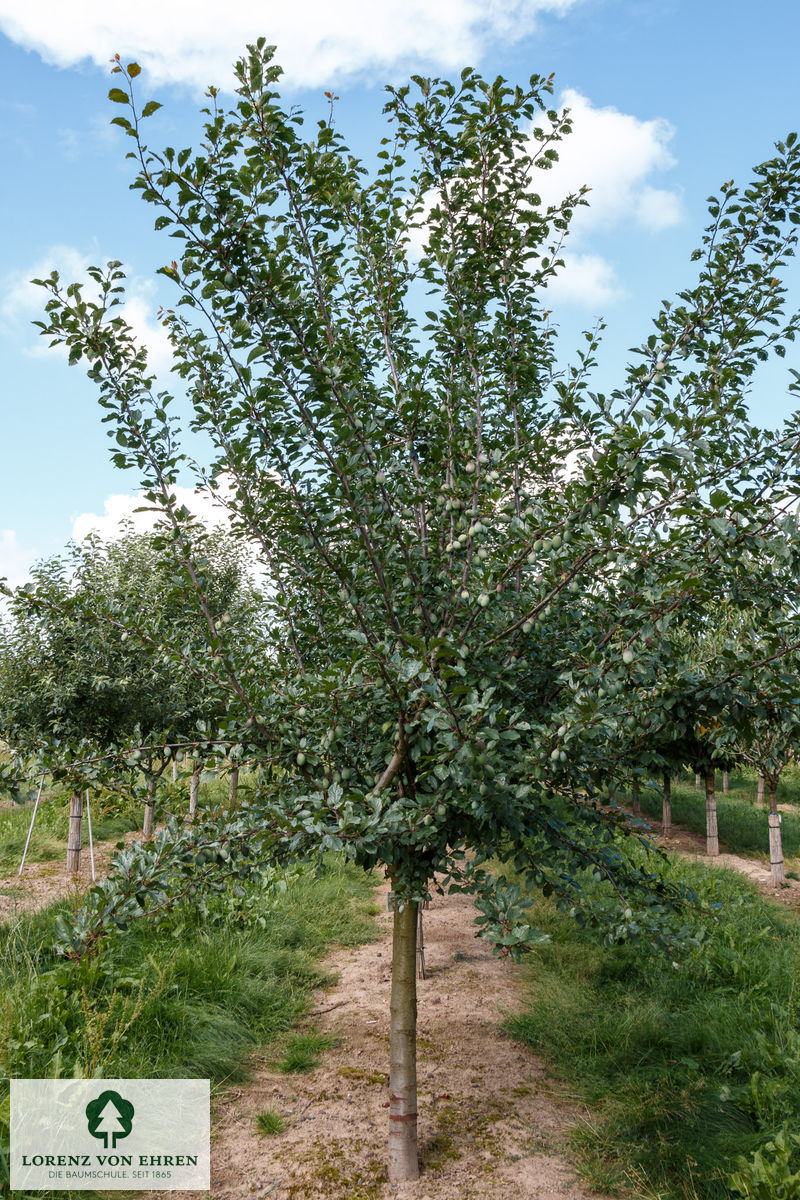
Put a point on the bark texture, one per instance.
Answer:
(234, 788)
(725, 782)
(712, 832)
(760, 792)
(403, 1152)
(697, 781)
(775, 842)
(75, 831)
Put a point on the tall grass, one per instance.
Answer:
(686, 1064)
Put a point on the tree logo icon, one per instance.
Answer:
(109, 1116)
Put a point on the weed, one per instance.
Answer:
(302, 1050)
(159, 1006)
(270, 1122)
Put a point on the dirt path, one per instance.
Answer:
(43, 882)
(491, 1125)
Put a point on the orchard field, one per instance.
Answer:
(472, 633)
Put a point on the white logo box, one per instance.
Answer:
(110, 1134)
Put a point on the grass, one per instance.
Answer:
(742, 825)
(686, 1065)
(301, 1052)
(270, 1122)
(189, 999)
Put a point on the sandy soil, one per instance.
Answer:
(492, 1126)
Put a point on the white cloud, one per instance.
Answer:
(119, 513)
(658, 209)
(615, 154)
(15, 560)
(139, 310)
(120, 508)
(22, 302)
(588, 280)
(195, 42)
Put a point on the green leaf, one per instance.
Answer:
(118, 96)
(151, 107)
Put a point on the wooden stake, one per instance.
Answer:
(75, 832)
(712, 831)
(666, 805)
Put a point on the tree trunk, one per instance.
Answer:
(666, 805)
(234, 788)
(725, 782)
(403, 1156)
(635, 802)
(760, 792)
(149, 805)
(712, 833)
(775, 844)
(75, 831)
(174, 770)
(194, 791)
(697, 780)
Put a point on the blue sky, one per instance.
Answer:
(670, 98)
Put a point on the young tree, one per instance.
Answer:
(472, 557)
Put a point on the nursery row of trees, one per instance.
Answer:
(96, 683)
(492, 594)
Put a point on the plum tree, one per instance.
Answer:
(472, 557)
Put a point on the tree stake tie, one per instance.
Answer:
(33, 818)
